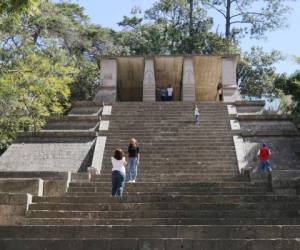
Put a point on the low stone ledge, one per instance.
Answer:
(286, 181)
(266, 117)
(35, 174)
(86, 104)
(274, 133)
(13, 207)
(80, 177)
(13, 199)
(61, 133)
(250, 103)
(22, 185)
(147, 244)
(74, 118)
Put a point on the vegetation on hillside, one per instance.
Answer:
(50, 52)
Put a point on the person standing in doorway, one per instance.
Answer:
(170, 93)
(264, 159)
(162, 93)
(118, 173)
(197, 115)
(134, 159)
(220, 91)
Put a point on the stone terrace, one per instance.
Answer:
(189, 193)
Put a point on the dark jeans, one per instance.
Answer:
(118, 181)
(264, 165)
(169, 98)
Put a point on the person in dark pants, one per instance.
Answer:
(133, 159)
(170, 93)
(264, 159)
(220, 91)
(118, 173)
(162, 93)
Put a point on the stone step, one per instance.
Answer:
(175, 116)
(222, 199)
(160, 138)
(193, 165)
(36, 174)
(191, 152)
(178, 231)
(168, 135)
(186, 168)
(168, 162)
(161, 141)
(89, 191)
(156, 128)
(157, 244)
(165, 172)
(183, 178)
(144, 129)
(228, 191)
(94, 183)
(232, 213)
(163, 221)
(150, 206)
(166, 178)
(162, 149)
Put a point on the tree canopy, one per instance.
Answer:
(250, 17)
(50, 52)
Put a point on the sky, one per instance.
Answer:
(108, 13)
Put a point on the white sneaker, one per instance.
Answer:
(130, 181)
(133, 181)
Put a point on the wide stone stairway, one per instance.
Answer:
(188, 195)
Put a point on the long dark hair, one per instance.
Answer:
(119, 154)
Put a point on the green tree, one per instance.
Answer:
(171, 27)
(183, 22)
(250, 17)
(31, 89)
(290, 85)
(16, 7)
(256, 73)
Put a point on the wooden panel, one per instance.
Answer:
(207, 71)
(168, 70)
(130, 78)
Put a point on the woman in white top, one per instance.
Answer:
(118, 173)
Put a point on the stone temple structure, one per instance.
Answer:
(197, 187)
(194, 78)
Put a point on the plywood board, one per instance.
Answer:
(168, 70)
(130, 78)
(207, 71)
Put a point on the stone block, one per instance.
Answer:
(58, 155)
(149, 82)
(32, 186)
(188, 81)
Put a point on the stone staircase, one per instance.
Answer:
(188, 195)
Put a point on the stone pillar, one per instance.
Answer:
(107, 92)
(149, 81)
(230, 88)
(188, 82)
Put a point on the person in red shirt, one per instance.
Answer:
(264, 158)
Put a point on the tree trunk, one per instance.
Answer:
(191, 23)
(228, 17)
